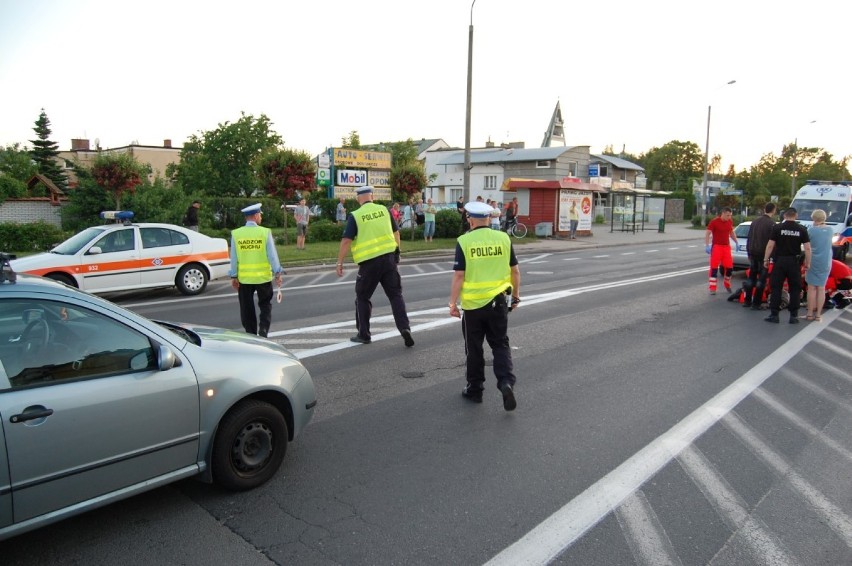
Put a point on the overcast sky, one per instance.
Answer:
(628, 74)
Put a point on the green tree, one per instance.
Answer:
(220, 162)
(408, 178)
(45, 152)
(16, 168)
(637, 159)
(155, 201)
(118, 174)
(352, 141)
(283, 172)
(85, 202)
(673, 164)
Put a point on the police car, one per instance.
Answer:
(127, 255)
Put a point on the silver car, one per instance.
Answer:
(740, 250)
(98, 403)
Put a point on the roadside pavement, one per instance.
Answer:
(600, 237)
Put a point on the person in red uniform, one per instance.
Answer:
(839, 280)
(721, 230)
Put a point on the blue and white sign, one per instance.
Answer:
(351, 177)
(594, 170)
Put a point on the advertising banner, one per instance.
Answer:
(583, 202)
(362, 159)
(379, 193)
(350, 177)
(379, 178)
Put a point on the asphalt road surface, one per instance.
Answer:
(655, 425)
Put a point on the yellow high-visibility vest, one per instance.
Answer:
(252, 264)
(487, 272)
(375, 235)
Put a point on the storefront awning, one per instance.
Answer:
(515, 183)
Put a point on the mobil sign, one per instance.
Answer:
(351, 177)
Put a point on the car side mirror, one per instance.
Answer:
(166, 359)
(94, 250)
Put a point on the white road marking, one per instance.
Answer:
(829, 513)
(530, 300)
(559, 531)
(764, 546)
(776, 405)
(600, 256)
(644, 533)
(651, 251)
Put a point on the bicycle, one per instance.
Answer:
(515, 228)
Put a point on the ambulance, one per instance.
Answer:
(835, 198)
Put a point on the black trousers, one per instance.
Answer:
(372, 273)
(786, 267)
(757, 275)
(264, 301)
(490, 323)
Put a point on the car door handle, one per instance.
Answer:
(30, 415)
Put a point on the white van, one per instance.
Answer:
(835, 198)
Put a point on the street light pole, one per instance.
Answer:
(704, 184)
(706, 157)
(466, 185)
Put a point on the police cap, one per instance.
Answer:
(251, 210)
(366, 189)
(478, 209)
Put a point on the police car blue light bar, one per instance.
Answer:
(116, 214)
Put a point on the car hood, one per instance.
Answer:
(37, 261)
(222, 339)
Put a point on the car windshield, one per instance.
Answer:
(835, 211)
(742, 230)
(76, 242)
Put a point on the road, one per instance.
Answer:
(655, 425)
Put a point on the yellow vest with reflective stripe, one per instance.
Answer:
(375, 235)
(487, 272)
(252, 264)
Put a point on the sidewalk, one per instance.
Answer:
(601, 237)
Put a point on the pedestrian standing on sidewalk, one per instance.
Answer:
(429, 212)
(340, 212)
(373, 236)
(190, 219)
(574, 219)
(784, 248)
(486, 275)
(302, 214)
(254, 264)
(758, 236)
(721, 230)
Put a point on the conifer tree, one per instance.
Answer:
(45, 151)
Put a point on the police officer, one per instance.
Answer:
(373, 237)
(254, 262)
(785, 245)
(486, 274)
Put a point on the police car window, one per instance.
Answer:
(47, 342)
(156, 237)
(178, 238)
(117, 241)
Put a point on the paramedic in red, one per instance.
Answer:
(721, 229)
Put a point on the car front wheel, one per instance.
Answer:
(191, 279)
(249, 445)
